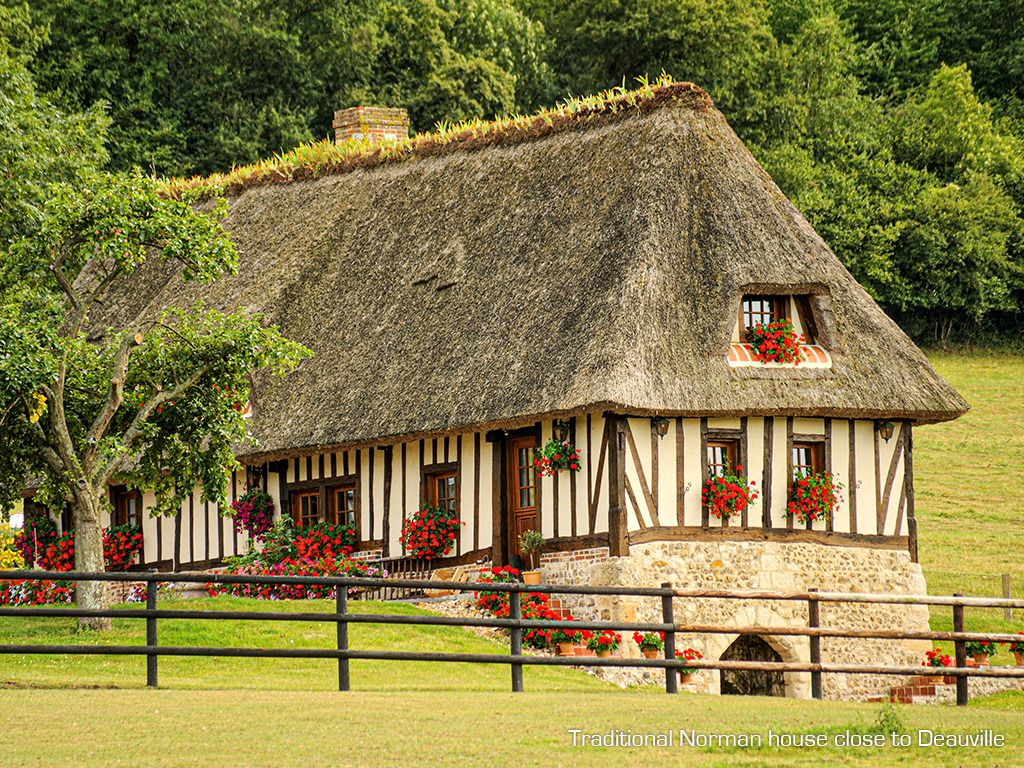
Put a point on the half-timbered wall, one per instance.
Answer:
(664, 475)
(661, 479)
(199, 534)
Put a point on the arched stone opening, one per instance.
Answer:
(744, 682)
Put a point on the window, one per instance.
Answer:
(127, 507)
(808, 458)
(722, 457)
(441, 490)
(760, 310)
(306, 507)
(343, 506)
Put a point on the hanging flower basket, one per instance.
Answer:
(813, 497)
(776, 342)
(557, 456)
(727, 495)
(253, 512)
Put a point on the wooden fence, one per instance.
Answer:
(342, 618)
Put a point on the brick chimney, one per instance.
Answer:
(374, 124)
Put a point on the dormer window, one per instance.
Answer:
(764, 308)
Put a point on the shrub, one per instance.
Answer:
(294, 567)
(11, 558)
(121, 543)
(495, 601)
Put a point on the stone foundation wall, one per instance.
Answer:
(769, 566)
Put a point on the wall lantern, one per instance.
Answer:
(885, 429)
(560, 430)
(660, 425)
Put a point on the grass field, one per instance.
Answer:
(95, 711)
(968, 480)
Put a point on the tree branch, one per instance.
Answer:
(134, 430)
(115, 396)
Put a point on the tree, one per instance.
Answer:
(38, 144)
(155, 400)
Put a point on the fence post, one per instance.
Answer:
(814, 622)
(516, 614)
(668, 617)
(342, 609)
(151, 657)
(1007, 594)
(961, 654)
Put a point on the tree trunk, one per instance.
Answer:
(89, 557)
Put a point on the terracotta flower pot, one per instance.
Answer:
(650, 653)
(604, 655)
(566, 649)
(980, 659)
(531, 577)
(1019, 658)
(684, 677)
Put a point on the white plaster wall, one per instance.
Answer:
(692, 460)
(866, 522)
(841, 472)
(754, 468)
(601, 516)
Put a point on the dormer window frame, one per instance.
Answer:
(786, 306)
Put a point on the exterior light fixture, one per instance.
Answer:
(885, 429)
(560, 430)
(660, 425)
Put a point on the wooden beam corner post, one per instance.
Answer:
(618, 539)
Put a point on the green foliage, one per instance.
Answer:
(598, 44)
(38, 143)
(155, 400)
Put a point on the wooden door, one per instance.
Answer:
(522, 488)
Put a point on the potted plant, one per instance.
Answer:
(688, 655)
(604, 644)
(980, 650)
(935, 658)
(564, 638)
(727, 495)
(650, 643)
(531, 543)
(813, 497)
(775, 342)
(1017, 646)
(557, 455)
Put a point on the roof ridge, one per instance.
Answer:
(325, 158)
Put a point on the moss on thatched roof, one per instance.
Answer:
(594, 268)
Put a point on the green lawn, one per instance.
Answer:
(967, 481)
(185, 673)
(152, 729)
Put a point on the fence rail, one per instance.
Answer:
(516, 624)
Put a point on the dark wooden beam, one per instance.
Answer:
(618, 541)
(766, 473)
(389, 456)
(831, 538)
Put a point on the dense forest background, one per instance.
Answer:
(896, 126)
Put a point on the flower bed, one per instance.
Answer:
(294, 567)
(35, 592)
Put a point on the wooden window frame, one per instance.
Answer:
(732, 448)
(119, 497)
(816, 446)
(430, 479)
(295, 499)
(332, 505)
(778, 309)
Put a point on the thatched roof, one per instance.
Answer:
(595, 268)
